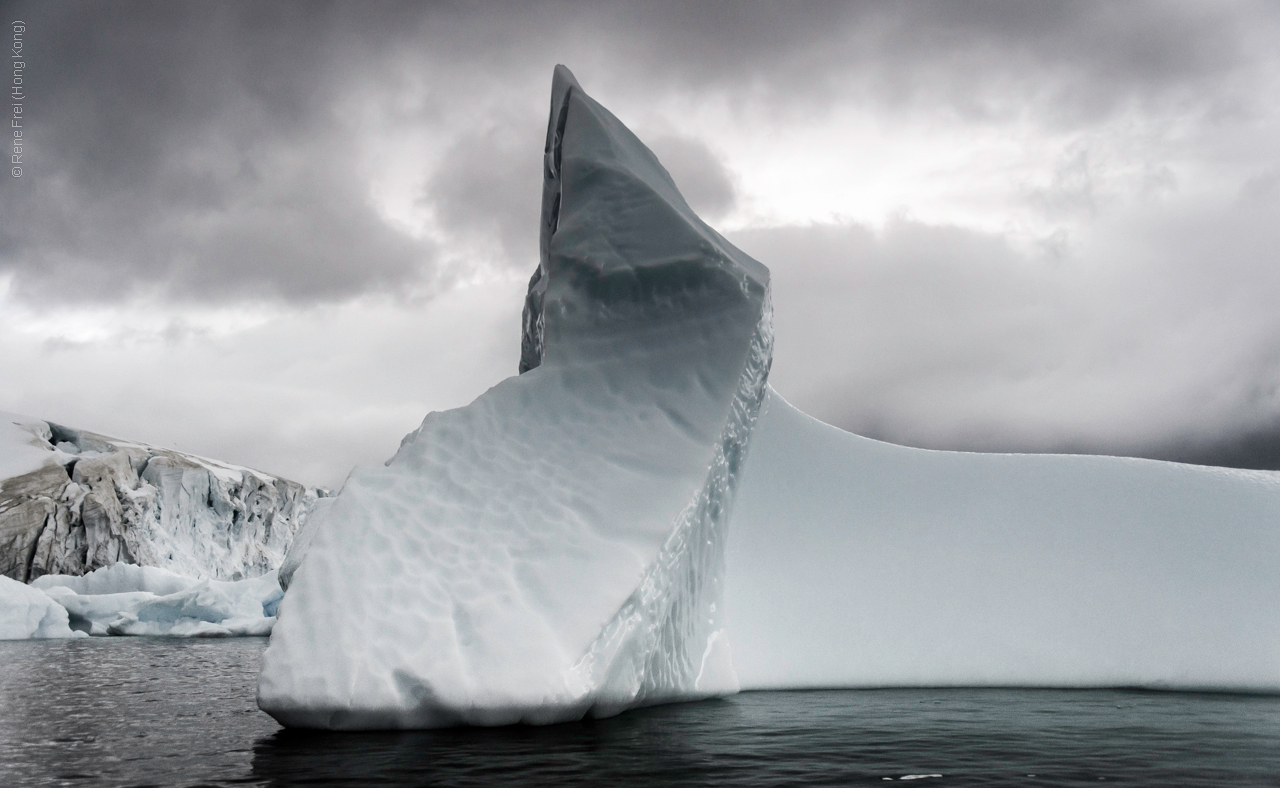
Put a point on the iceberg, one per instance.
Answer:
(856, 563)
(555, 548)
(28, 613)
(124, 599)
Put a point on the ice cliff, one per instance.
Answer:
(554, 549)
(73, 501)
(856, 563)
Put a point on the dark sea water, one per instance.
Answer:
(166, 712)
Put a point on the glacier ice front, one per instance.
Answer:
(73, 501)
(554, 549)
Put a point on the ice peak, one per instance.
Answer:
(603, 194)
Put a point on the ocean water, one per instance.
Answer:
(151, 711)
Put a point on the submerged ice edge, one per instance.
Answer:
(667, 642)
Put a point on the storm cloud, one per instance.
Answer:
(1024, 226)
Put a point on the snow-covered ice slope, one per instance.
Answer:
(555, 548)
(25, 443)
(859, 563)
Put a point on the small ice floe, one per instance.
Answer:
(134, 600)
(27, 613)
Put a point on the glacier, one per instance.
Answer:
(73, 501)
(554, 549)
(856, 563)
(116, 537)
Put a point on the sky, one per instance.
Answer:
(278, 234)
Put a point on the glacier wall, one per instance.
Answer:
(856, 563)
(76, 501)
(555, 548)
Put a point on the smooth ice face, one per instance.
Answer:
(556, 547)
(857, 563)
(28, 613)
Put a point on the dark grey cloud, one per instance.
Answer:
(1253, 448)
(487, 190)
(210, 153)
(189, 148)
(1074, 62)
(202, 150)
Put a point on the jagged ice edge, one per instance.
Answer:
(655, 646)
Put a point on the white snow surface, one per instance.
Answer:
(24, 444)
(119, 579)
(555, 548)
(28, 613)
(856, 563)
(123, 599)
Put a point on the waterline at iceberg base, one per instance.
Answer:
(557, 548)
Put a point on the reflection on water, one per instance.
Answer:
(165, 712)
